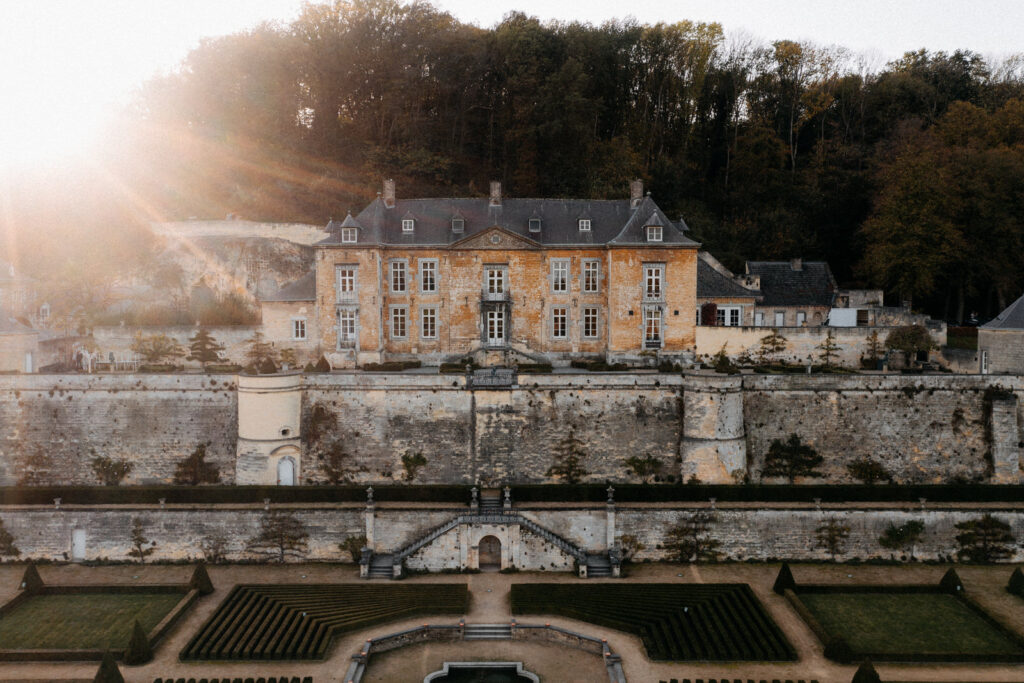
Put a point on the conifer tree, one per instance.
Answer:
(279, 536)
(139, 649)
(260, 351)
(772, 345)
(902, 537)
(691, 541)
(194, 469)
(200, 580)
(831, 536)
(204, 348)
(829, 350)
(139, 541)
(30, 580)
(791, 459)
(985, 539)
(569, 454)
(108, 671)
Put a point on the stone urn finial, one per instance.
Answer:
(369, 495)
(611, 493)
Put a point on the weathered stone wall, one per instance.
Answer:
(744, 533)
(54, 425)
(1004, 350)
(118, 339)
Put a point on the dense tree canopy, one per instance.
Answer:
(906, 177)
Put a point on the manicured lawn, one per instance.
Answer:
(907, 623)
(677, 622)
(82, 621)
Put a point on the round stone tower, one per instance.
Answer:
(714, 445)
(269, 447)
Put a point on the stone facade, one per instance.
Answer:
(1001, 352)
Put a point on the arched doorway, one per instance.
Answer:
(286, 472)
(490, 553)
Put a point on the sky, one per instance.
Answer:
(66, 64)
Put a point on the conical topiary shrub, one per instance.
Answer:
(139, 650)
(838, 650)
(951, 583)
(1016, 585)
(784, 580)
(31, 582)
(200, 580)
(108, 671)
(322, 365)
(866, 673)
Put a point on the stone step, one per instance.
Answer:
(488, 632)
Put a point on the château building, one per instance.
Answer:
(505, 280)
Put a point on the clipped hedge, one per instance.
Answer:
(391, 366)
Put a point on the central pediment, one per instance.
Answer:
(495, 237)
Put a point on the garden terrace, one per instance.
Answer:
(899, 624)
(677, 622)
(76, 623)
(301, 621)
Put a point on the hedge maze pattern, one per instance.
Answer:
(677, 622)
(300, 621)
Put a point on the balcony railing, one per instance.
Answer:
(652, 343)
(494, 296)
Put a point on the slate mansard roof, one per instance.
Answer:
(612, 222)
(783, 285)
(712, 284)
(1010, 319)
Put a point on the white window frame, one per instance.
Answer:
(349, 235)
(801, 318)
(346, 282)
(591, 317)
(559, 312)
(591, 286)
(423, 266)
(346, 316)
(458, 225)
(560, 273)
(496, 318)
(495, 279)
(398, 323)
(428, 322)
(729, 316)
(408, 225)
(778, 315)
(398, 274)
(654, 314)
(535, 225)
(759, 319)
(654, 282)
(299, 326)
(584, 225)
(654, 233)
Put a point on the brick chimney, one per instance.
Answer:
(389, 193)
(495, 193)
(636, 192)
(796, 264)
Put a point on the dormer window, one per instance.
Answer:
(653, 233)
(534, 225)
(458, 225)
(408, 224)
(584, 225)
(348, 235)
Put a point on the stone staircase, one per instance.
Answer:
(488, 632)
(381, 567)
(599, 566)
(490, 502)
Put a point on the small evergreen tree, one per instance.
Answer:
(691, 541)
(111, 472)
(951, 583)
(569, 454)
(902, 537)
(194, 469)
(644, 467)
(139, 541)
(838, 649)
(1016, 583)
(722, 363)
(411, 464)
(829, 350)
(984, 540)
(7, 547)
(353, 545)
(323, 365)
(204, 349)
(260, 351)
(910, 339)
(31, 582)
(791, 459)
(156, 347)
(139, 650)
(289, 358)
(867, 470)
(831, 536)
(866, 673)
(874, 347)
(771, 346)
(784, 580)
(200, 580)
(279, 536)
(108, 671)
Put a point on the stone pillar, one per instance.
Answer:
(714, 447)
(1006, 444)
(610, 520)
(269, 419)
(370, 519)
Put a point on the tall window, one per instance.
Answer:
(584, 225)
(728, 316)
(590, 314)
(346, 283)
(428, 275)
(348, 235)
(408, 224)
(494, 280)
(559, 322)
(653, 233)
(653, 281)
(801, 318)
(399, 319)
(428, 323)
(299, 328)
(398, 277)
(652, 326)
(346, 326)
(591, 277)
(560, 275)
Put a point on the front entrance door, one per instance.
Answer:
(490, 553)
(286, 472)
(496, 327)
(78, 545)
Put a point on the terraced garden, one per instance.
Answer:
(677, 622)
(300, 621)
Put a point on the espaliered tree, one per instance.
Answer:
(194, 469)
(984, 540)
(204, 349)
(141, 546)
(902, 537)
(791, 459)
(280, 536)
(569, 454)
(831, 537)
(7, 546)
(691, 539)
